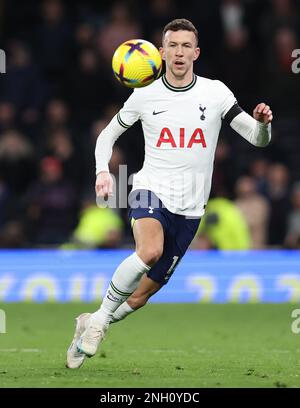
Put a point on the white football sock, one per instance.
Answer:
(124, 281)
(123, 310)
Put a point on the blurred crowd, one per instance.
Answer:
(59, 92)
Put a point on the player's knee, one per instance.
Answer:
(137, 301)
(150, 255)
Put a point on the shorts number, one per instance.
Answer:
(172, 267)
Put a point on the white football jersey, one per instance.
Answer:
(181, 128)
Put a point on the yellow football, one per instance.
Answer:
(136, 63)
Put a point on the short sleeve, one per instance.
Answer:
(130, 112)
(227, 98)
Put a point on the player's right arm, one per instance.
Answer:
(125, 118)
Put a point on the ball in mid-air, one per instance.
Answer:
(136, 63)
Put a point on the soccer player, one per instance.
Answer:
(181, 115)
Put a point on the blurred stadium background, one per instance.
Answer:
(59, 92)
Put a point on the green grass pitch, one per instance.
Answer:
(161, 345)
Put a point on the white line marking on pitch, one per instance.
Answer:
(14, 350)
(158, 351)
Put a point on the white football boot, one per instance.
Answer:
(91, 338)
(74, 358)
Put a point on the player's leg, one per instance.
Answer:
(149, 237)
(146, 288)
(177, 239)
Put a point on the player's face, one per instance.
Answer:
(180, 51)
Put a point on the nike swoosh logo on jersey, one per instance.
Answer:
(157, 113)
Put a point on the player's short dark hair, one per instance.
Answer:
(181, 24)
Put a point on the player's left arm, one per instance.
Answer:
(256, 129)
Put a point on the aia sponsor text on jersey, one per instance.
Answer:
(181, 139)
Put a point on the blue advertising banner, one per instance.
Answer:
(202, 276)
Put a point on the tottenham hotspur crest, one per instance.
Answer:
(202, 109)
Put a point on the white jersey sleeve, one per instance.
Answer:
(130, 113)
(257, 133)
(227, 98)
(125, 118)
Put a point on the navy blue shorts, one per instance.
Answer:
(179, 231)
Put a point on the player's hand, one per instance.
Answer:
(263, 113)
(104, 185)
